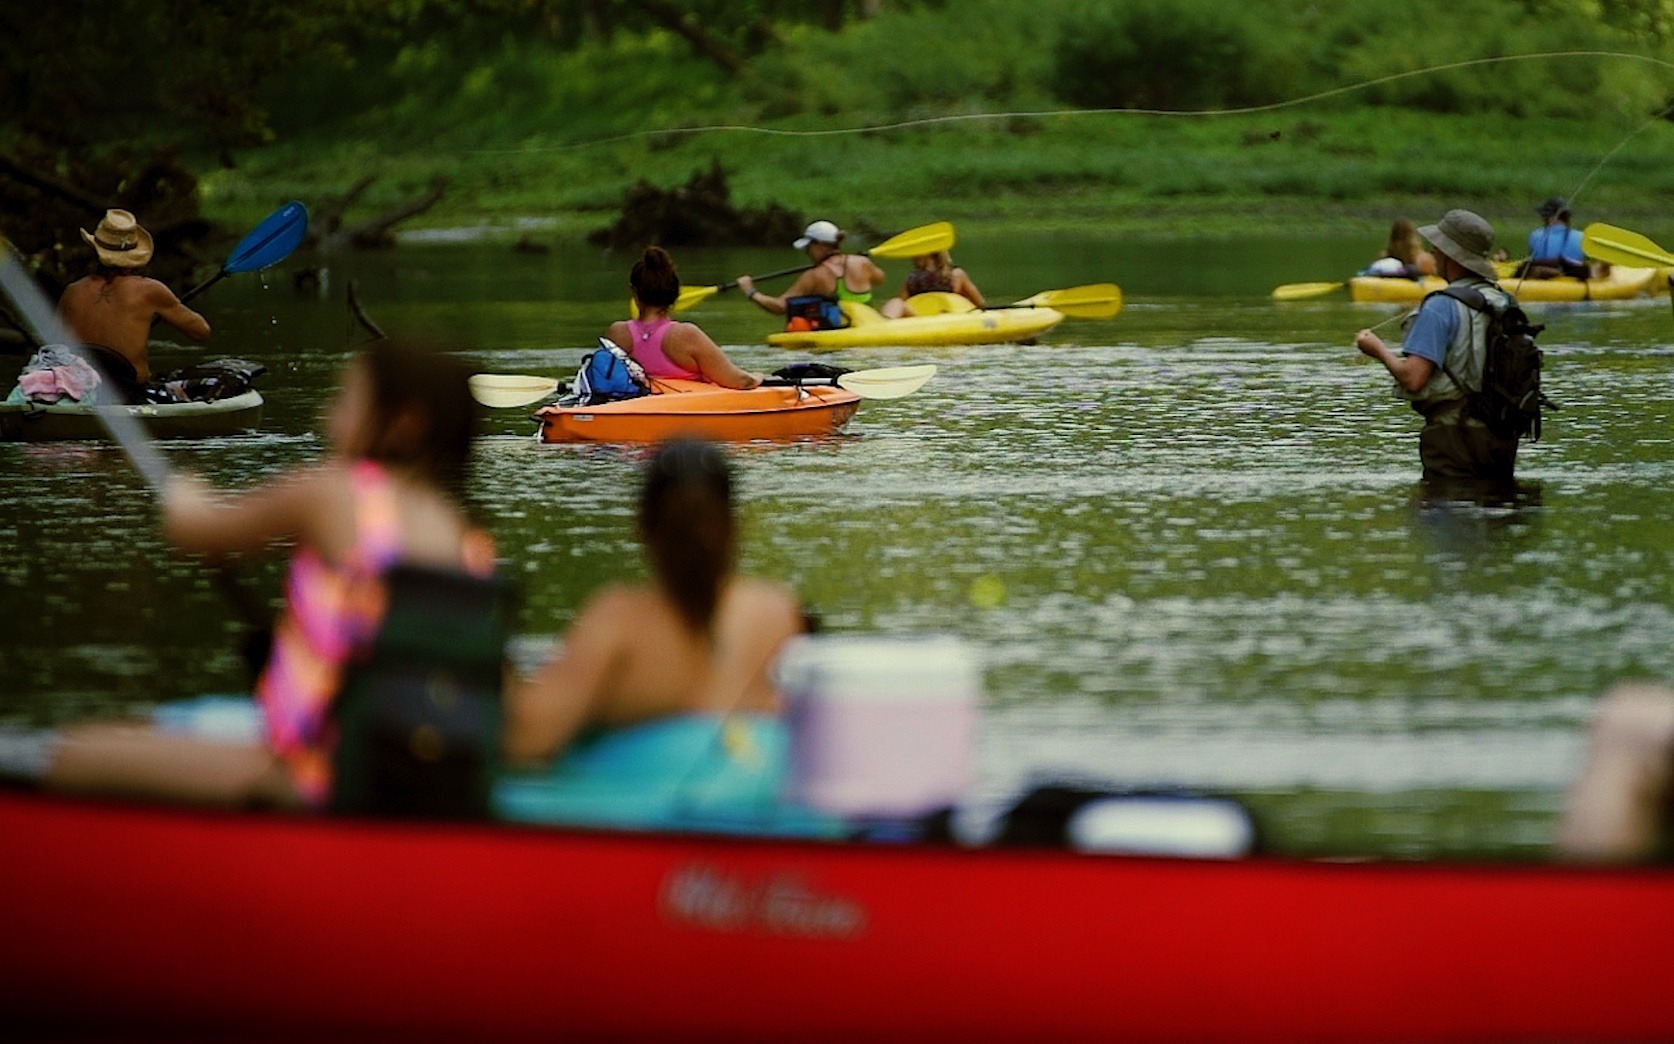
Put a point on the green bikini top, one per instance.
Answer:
(845, 294)
(843, 291)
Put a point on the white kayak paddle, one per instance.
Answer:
(508, 390)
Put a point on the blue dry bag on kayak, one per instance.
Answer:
(821, 313)
(608, 374)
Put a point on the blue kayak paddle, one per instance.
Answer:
(267, 244)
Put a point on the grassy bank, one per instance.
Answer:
(523, 129)
(1314, 171)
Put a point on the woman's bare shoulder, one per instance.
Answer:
(766, 596)
(686, 334)
(617, 605)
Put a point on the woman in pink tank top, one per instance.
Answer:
(666, 349)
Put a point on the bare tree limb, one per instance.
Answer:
(52, 185)
(706, 43)
(327, 216)
(357, 314)
(376, 233)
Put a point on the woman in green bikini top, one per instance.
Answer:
(834, 274)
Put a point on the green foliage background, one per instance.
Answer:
(554, 106)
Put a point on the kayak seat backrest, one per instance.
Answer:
(419, 716)
(861, 314)
(939, 302)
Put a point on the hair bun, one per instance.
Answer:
(657, 258)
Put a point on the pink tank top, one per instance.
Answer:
(647, 350)
(331, 612)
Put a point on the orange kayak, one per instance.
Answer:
(678, 408)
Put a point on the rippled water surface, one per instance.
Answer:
(1202, 516)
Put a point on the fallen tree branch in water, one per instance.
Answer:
(378, 232)
(358, 314)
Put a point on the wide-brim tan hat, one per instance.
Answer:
(1466, 238)
(119, 240)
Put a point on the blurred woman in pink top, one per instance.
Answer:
(665, 348)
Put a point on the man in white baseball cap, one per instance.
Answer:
(1442, 354)
(814, 301)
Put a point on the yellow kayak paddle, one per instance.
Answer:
(1303, 291)
(1093, 301)
(1622, 247)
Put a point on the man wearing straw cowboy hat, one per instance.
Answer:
(111, 311)
(1444, 348)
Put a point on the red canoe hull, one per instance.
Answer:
(176, 921)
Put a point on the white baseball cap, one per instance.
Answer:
(819, 232)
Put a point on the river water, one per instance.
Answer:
(1187, 541)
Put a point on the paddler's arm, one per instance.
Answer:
(1616, 805)
(198, 518)
(808, 283)
(544, 714)
(963, 286)
(171, 311)
(1411, 372)
(766, 302)
(687, 345)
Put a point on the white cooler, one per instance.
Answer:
(880, 727)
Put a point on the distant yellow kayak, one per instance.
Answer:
(1620, 284)
(868, 329)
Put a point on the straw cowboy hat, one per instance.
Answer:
(119, 240)
(1466, 238)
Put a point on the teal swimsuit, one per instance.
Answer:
(689, 772)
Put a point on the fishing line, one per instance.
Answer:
(1608, 156)
(1575, 194)
(1247, 110)
(972, 117)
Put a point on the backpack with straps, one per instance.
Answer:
(1510, 400)
(821, 313)
(418, 714)
(607, 374)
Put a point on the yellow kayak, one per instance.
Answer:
(1620, 284)
(868, 329)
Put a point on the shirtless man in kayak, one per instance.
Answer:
(115, 306)
(835, 276)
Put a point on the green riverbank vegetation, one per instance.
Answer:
(552, 108)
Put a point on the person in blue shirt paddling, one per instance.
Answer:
(1554, 247)
(1441, 358)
